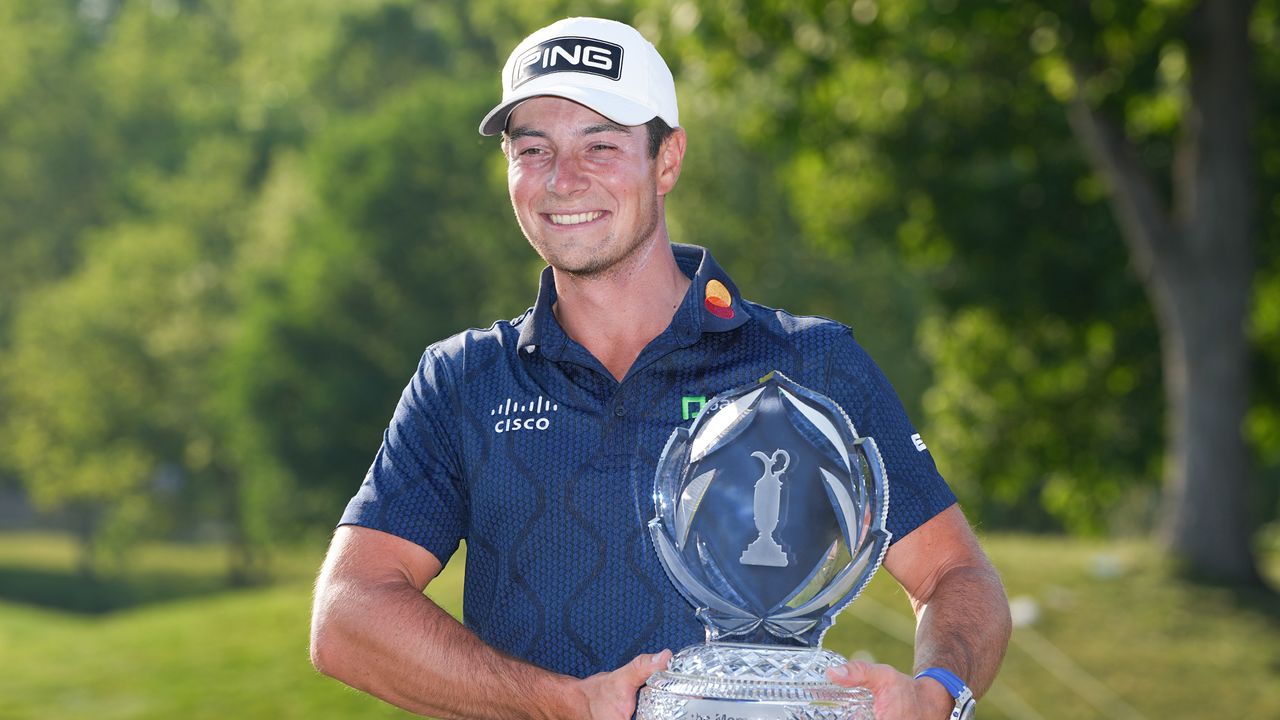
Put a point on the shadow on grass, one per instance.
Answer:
(1262, 599)
(72, 592)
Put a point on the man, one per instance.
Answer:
(536, 440)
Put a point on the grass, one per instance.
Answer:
(226, 653)
(1114, 637)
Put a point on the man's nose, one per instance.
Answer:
(566, 177)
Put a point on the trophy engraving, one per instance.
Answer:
(764, 550)
(779, 470)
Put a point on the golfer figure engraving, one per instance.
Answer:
(764, 550)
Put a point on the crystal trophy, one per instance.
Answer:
(770, 518)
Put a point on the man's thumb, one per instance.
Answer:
(854, 673)
(642, 666)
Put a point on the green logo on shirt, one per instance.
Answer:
(691, 405)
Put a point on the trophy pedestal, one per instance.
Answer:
(725, 681)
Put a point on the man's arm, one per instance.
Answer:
(962, 620)
(373, 629)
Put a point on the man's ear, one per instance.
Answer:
(669, 161)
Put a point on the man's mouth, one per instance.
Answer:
(574, 218)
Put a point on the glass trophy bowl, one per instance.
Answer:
(770, 518)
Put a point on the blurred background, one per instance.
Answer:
(228, 228)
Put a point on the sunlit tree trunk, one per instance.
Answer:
(247, 556)
(85, 518)
(1197, 262)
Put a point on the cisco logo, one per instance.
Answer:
(512, 416)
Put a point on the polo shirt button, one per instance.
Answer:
(619, 410)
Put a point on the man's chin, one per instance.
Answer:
(579, 266)
(585, 271)
(589, 265)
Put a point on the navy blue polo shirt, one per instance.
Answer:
(519, 441)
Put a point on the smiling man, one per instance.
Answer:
(536, 440)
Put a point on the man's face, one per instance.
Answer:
(584, 188)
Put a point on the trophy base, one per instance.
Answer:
(723, 681)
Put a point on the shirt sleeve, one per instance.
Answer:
(917, 491)
(415, 489)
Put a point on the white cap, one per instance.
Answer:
(605, 65)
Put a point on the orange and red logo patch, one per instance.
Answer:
(719, 302)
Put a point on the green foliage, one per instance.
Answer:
(111, 369)
(895, 134)
(1008, 409)
(403, 247)
(89, 353)
(53, 152)
(1027, 260)
(108, 383)
(1263, 424)
(228, 228)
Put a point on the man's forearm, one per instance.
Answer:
(965, 626)
(962, 620)
(393, 642)
(373, 629)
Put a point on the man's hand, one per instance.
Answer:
(612, 695)
(898, 696)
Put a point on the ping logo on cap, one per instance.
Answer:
(568, 54)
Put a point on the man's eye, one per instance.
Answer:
(531, 151)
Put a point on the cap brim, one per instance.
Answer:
(617, 108)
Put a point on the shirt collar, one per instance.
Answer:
(712, 304)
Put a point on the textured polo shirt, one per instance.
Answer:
(519, 441)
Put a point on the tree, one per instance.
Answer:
(913, 155)
(402, 239)
(914, 123)
(91, 358)
(126, 191)
(1194, 250)
(307, 209)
